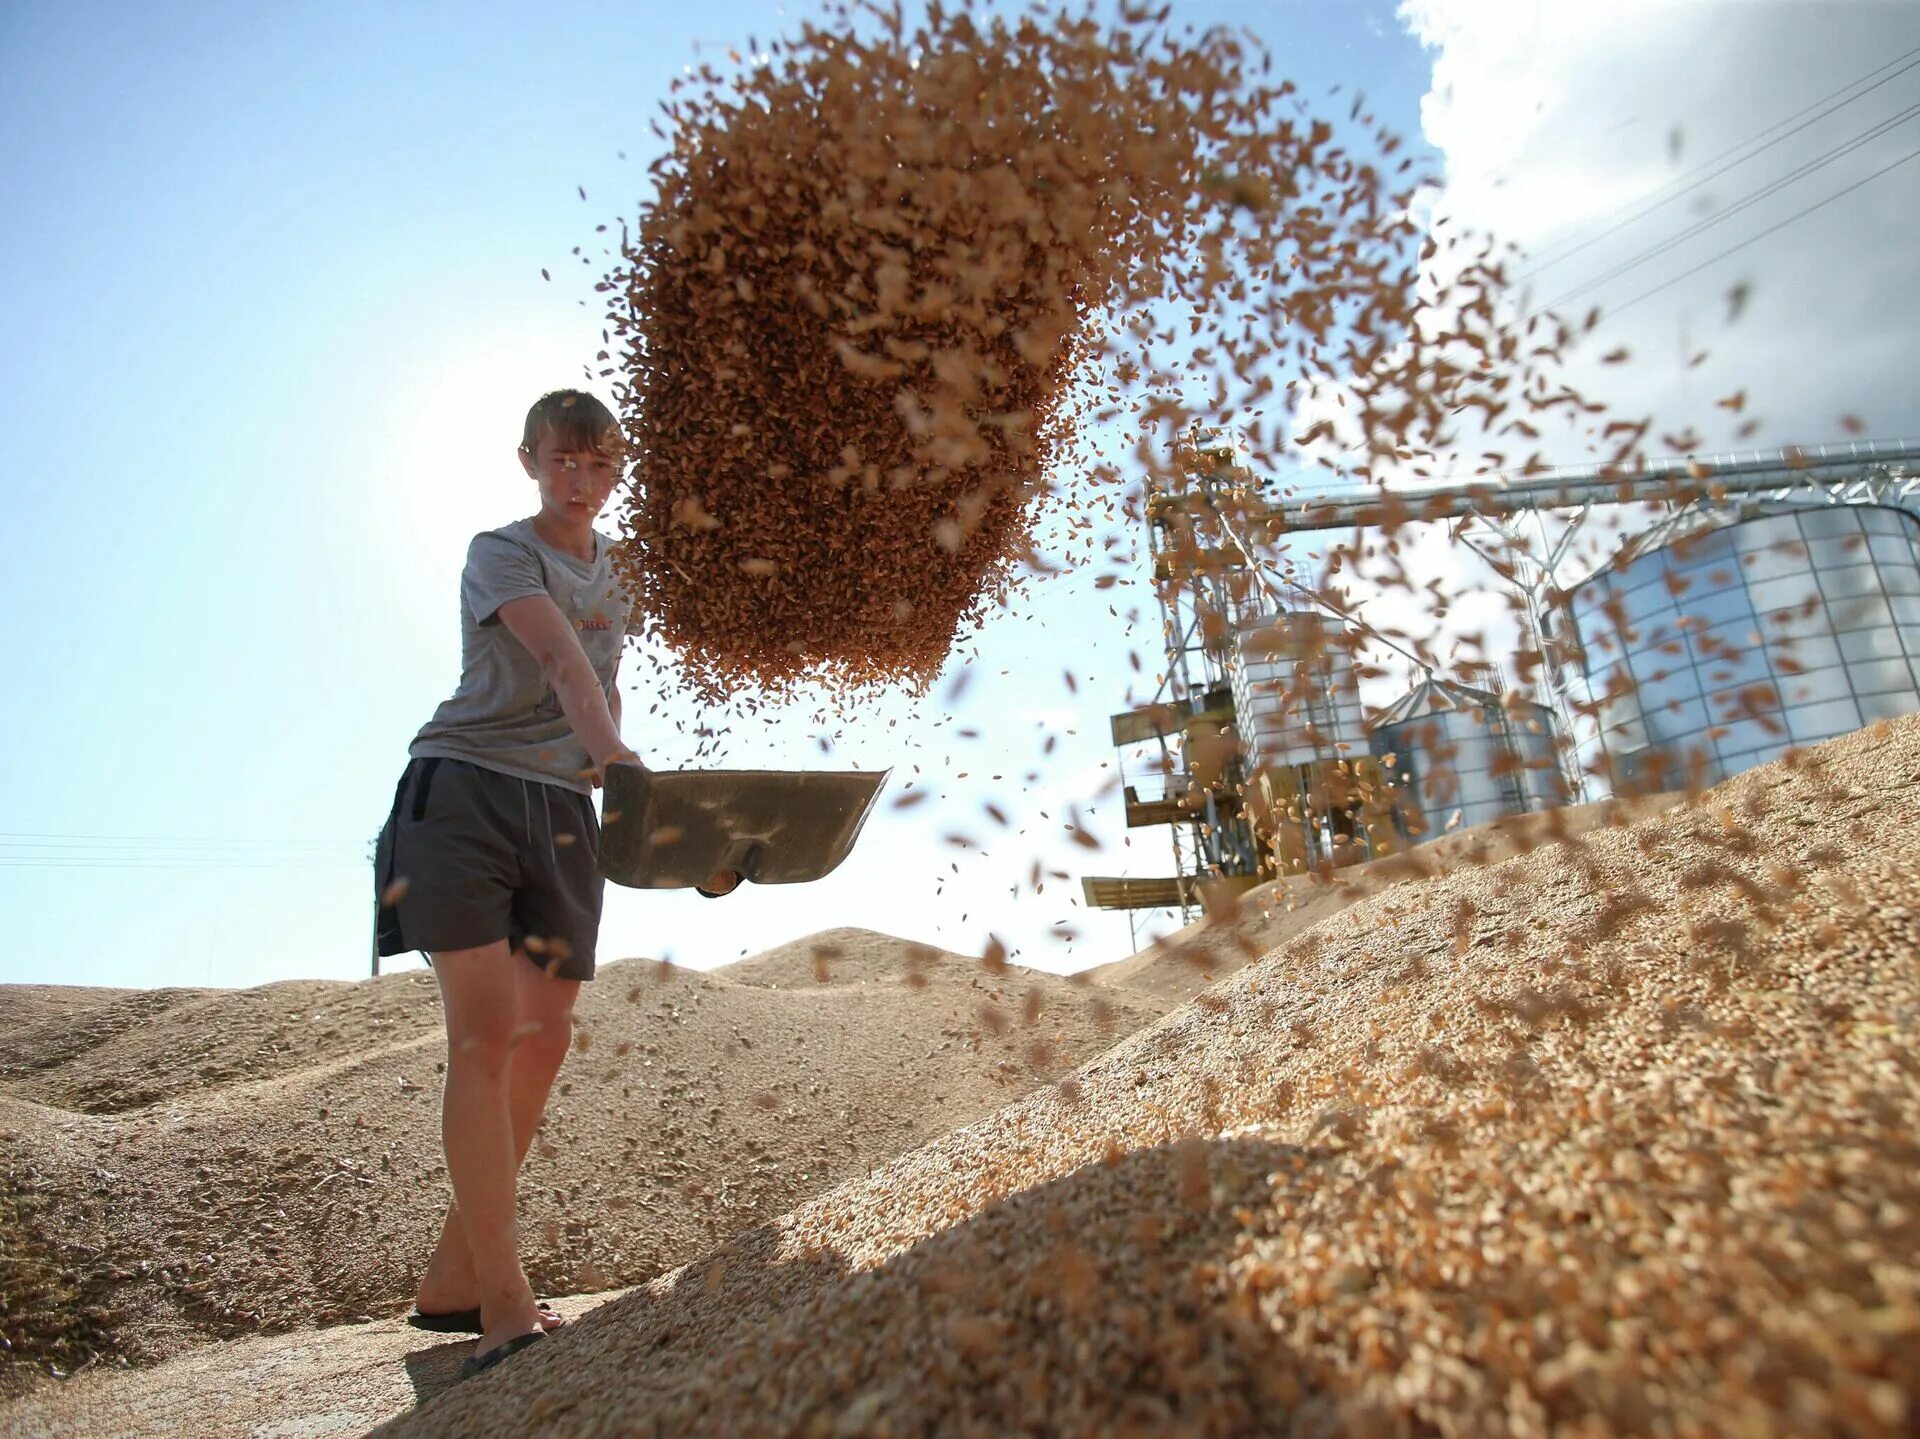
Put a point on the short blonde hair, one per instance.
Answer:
(575, 420)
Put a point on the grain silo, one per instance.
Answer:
(1705, 650)
(1312, 796)
(1461, 756)
(1295, 691)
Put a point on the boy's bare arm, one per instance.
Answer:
(537, 623)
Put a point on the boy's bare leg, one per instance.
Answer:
(449, 1282)
(477, 992)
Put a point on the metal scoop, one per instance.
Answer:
(674, 829)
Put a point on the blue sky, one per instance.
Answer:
(275, 312)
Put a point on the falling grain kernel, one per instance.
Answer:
(524, 1031)
(689, 513)
(975, 1337)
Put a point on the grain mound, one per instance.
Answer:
(1630, 1151)
(839, 956)
(1176, 968)
(145, 1047)
(26, 1007)
(232, 1163)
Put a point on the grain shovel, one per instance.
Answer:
(675, 829)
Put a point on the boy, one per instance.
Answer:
(488, 861)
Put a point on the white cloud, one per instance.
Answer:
(1556, 121)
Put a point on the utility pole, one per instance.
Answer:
(373, 859)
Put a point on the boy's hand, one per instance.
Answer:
(722, 881)
(598, 772)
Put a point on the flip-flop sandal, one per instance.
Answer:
(460, 1321)
(499, 1352)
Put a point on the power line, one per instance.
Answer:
(127, 862)
(160, 842)
(28, 850)
(1741, 205)
(1704, 264)
(1551, 259)
(1762, 234)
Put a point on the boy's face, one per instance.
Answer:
(574, 483)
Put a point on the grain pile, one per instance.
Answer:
(1178, 967)
(1632, 1151)
(187, 1165)
(888, 275)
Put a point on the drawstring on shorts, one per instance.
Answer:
(546, 810)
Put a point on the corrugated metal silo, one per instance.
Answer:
(1295, 691)
(1297, 701)
(1709, 652)
(1451, 747)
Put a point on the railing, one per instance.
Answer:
(1739, 471)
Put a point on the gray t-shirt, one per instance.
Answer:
(505, 716)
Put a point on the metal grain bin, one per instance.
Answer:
(1709, 652)
(1454, 749)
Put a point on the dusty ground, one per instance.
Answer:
(1615, 1136)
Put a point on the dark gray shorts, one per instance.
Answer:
(470, 856)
